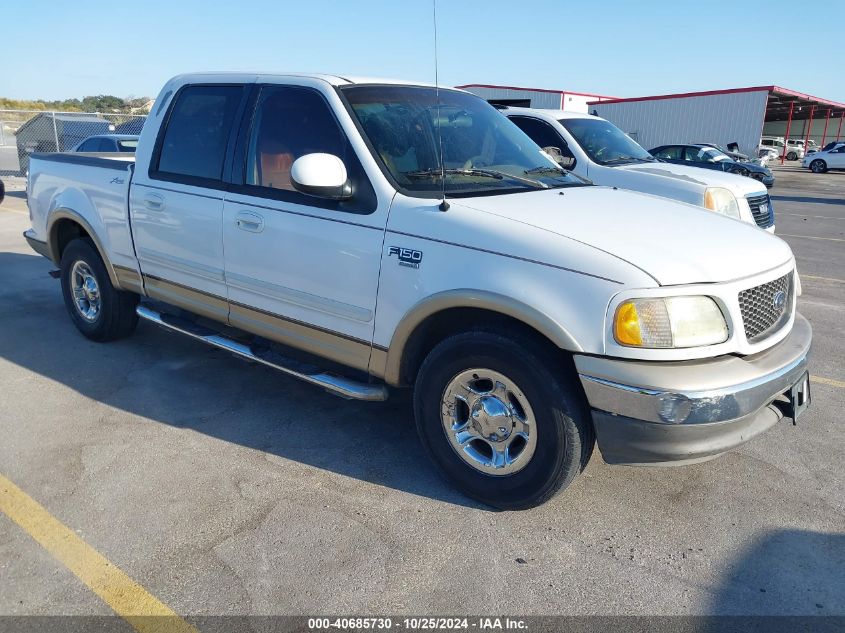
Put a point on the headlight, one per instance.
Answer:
(721, 201)
(669, 322)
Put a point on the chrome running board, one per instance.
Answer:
(338, 385)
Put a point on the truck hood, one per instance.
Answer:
(740, 186)
(673, 242)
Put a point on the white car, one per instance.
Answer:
(594, 148)
(794, 151)
(820, 162)
(365, 236)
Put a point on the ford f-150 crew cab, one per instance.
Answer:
(596, 149)
(300, 221)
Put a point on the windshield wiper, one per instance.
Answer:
(627, 159)
(433, 173)
(543, 169)
(485, 173)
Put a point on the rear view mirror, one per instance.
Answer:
(322, 176)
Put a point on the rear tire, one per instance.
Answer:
(517, 389)
(98, 309)
(818, 166)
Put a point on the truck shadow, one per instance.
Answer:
(810, 199)
(183, 383)
(794, 573)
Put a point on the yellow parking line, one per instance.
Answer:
(810, 237)
(828, 381)
(839, 281)
(143, 611)
(804, 215)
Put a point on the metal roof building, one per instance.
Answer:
(534, 97)
(738, 115)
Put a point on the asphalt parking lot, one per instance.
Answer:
(224, 488)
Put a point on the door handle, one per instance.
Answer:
(249, 221)
(154, 202)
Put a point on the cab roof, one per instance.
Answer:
(334, 80)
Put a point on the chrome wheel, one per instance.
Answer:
(86, 291)
(817, 166)
(489, 421)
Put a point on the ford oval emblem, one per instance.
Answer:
(779, 300)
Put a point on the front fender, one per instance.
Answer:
(388, 363)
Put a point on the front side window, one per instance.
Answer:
(197, 131)
(289, 122)
(605, 143)
(704, 155)
(408, 129)
(546, 137)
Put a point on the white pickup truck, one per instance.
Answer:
(596, 149)
(300, 221)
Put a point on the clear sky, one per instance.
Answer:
(55, 50)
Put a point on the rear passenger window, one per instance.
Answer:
(197, 132)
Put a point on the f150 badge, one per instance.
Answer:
(406, 256)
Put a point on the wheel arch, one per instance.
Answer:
(65, 225)
(450, 312)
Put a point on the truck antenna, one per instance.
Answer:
(443, 206)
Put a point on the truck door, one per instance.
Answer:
(176, 207)
(301, 270)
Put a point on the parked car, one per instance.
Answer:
(734, 154)
(43, 131)
(826, 159)
(708, 157)
(371, 236)
(794, 151)
(594, 148)
(108, 143)
(831, 145)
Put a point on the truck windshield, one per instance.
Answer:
(605, 143)
(483, 152)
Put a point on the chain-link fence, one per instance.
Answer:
(25, 132)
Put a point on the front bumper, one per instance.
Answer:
(681, 412)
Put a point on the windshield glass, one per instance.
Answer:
(605, 143)
(483, 152)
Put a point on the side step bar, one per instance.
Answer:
(338, 385)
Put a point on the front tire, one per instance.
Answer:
(98, 309)
(792, 156)
(500, 420)
(818, 166)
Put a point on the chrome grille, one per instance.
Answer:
(762, 210)
(762, 314)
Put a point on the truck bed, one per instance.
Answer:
(94, 188)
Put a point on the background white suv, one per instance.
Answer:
(820, 162)
(795, 149)
(596, 149)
